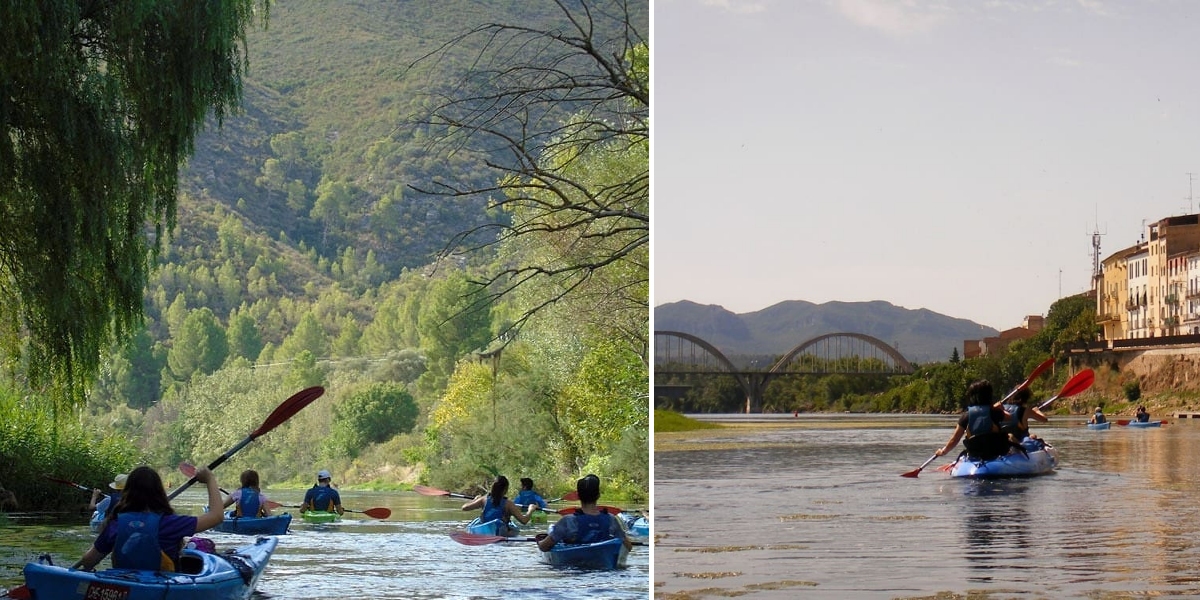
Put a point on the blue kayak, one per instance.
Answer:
(493, 527)
(1016, 464)
(272, 525)
(636, 525)
(1141, 424)
(609, 554)
(1099, 425)
(229, 575)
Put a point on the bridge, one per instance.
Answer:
(678, 353)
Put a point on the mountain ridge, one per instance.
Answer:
(921, 335)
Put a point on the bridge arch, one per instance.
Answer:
(711, 349)
(902, 363)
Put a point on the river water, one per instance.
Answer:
(409, 555)
(815, 508)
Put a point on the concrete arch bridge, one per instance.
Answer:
(678, 353)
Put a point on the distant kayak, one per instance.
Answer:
(320, 516)
(1099, 425)
(272, 525)
(1144, 424)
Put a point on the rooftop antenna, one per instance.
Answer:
(1190, 176)
(1095, 248)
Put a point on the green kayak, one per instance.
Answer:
(320, 516)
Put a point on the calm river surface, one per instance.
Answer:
(407, 556)
(815, 508)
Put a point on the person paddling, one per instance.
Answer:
(1098, 417)
(496, 506)
(527, 496)
(981, 425)
(1016, 426)
(588, 525)
(144, 532)
(249, 499)
(322, 496)
(1141, 415)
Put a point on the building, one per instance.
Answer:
(1152, 289)
(991, 345)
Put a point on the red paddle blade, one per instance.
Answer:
(913, 473)
(428, 491)
(572, 496)
(20, 593)
(378, 513)
(476, 539)
(187, 468)
(290, 407)
(1080, 382)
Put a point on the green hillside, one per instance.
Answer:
(304, 255)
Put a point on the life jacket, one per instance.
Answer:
(248, 505)
(492, 512)
(1013, 424)
(1099, 418)
(979, 421)
(137, 544)
(1143, 417)
(528, 497)
(593, 528)
(322, 498)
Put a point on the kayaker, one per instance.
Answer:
(981, 424)
(588, 525)
(496, 506)
(1019, 413)
(1098, 417)
(1141, 415)
(249, 499)
(144, 532)
(322, 496)
(527, 496)
(104, 505)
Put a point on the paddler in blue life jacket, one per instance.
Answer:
(249, 500)
(144, 532)
(496, 506)
(1098, 417)
(588, 525)
(1141, 415)
(322, 496)
(981, 424)
(1017, 424)
(527, 496)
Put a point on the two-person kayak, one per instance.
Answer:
(229, 575)
(1014, 464)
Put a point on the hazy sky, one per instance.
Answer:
(950, 155)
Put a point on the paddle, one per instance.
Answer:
(479, 539)
(19, 593)
(70, 483)
(1080, 382)
(428, 491)
(374, 513)
(282, 413)
(1046, 364)
(917, 471)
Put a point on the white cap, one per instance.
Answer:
(323, 474)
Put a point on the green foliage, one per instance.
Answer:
(90, 151)
(1133, 390)
(371, 415)
(668, 421)
(35, 445)
(200, 347)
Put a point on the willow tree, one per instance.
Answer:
(100, 103)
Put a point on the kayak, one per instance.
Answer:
(539, 518)
(320, 516)
(272, 525)
(1016, 464)
(1144, 424)
(230, 575)
(1099, 425)
(493, 527)
(609, 554)
(636, 525)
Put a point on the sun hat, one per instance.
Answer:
(118, 482)
(323, 474)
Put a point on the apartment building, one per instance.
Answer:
(1152, 289)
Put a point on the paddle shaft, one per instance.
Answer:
(1046, 364)
(1080, 382)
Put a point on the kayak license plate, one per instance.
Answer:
(105, 591)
